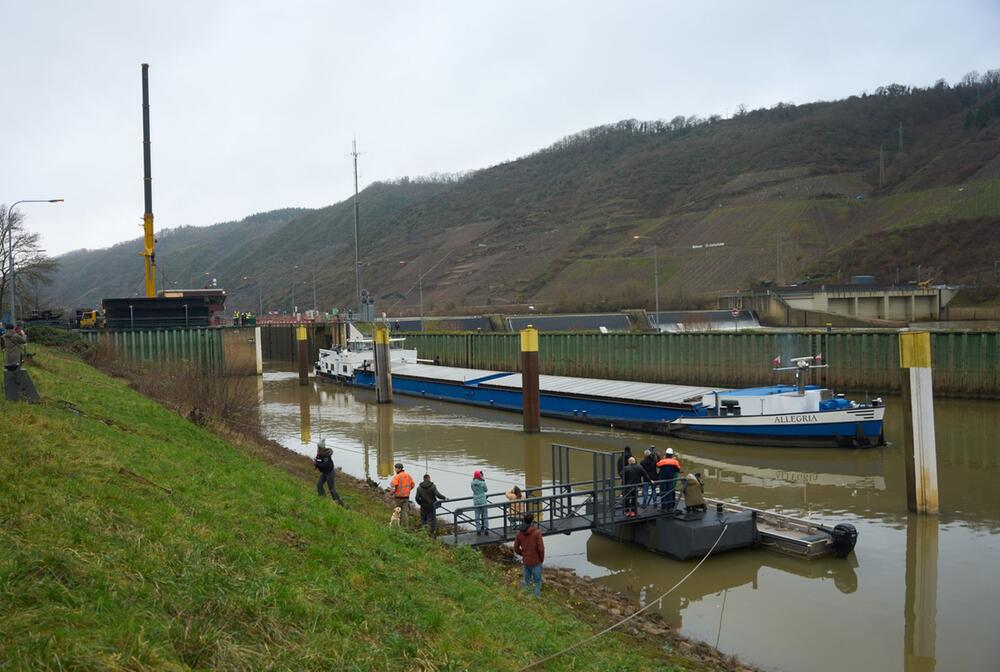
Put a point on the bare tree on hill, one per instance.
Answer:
(33, 268)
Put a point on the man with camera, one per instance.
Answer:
(13, 340)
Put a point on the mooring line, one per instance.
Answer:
(445, 470)
(628, 618)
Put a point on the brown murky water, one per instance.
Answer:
(918, 594)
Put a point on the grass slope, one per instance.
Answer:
(239, 565)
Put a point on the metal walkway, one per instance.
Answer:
(561, 508)
(597, 504)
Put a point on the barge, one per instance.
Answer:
(778, 415)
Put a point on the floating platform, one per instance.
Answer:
(596, 505)
(688, 535)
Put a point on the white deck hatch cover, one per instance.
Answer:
(588, 387)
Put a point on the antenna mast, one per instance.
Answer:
(357, 244)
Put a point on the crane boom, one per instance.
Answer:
(149, 241)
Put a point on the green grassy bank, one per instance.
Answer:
(202, 555)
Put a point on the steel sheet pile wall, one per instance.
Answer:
(965, 363)
(278, 341)
(203, 346)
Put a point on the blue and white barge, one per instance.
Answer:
(800, 415)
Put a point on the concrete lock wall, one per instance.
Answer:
(232, 350)
(966, 363)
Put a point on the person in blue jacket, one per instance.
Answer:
(479, 501)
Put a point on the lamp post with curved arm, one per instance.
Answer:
(656, 283)
(10, 244)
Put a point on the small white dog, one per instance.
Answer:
(395, 516)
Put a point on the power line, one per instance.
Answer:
(629, 618)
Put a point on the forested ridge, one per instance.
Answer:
(788, 189)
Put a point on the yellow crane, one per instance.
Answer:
(149, 239)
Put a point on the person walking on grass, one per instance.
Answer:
(327, 472)
(529, 545)
(401, 485)
(427, 498)
(480, 502)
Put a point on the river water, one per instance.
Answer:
(919, 593)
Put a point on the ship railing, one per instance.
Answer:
(561, 507)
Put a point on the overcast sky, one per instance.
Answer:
(253, 104)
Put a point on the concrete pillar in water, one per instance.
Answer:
(383, 440)
(920, 616)
(383, 366)
(531, 409)
(302, 340)
(919, 448)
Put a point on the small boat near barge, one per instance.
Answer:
(797, 415)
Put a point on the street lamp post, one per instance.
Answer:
(10, 244)
(186, 322)
(131, 317)
(656, 284)
(260, 294)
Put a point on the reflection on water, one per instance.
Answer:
(383, 439)
(921, 593)
(901, 602)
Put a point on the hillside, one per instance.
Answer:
(783, 188)
(132, 539)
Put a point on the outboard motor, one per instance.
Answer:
(845, 536)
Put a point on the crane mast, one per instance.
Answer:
(149, 241)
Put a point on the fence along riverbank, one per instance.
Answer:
(966, 363)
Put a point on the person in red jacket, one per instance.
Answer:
(529, 545)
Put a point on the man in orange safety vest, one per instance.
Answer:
(401, 485)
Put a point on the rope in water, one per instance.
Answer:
(630, 617)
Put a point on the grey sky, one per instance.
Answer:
(253, 104)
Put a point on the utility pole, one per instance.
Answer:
(779, 271)
(357, 244)
(881, 166)
(656, 285)
(314, 290)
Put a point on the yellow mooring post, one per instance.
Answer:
(920, 449)
(302, 338)
(531, 408)
(383, 366)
